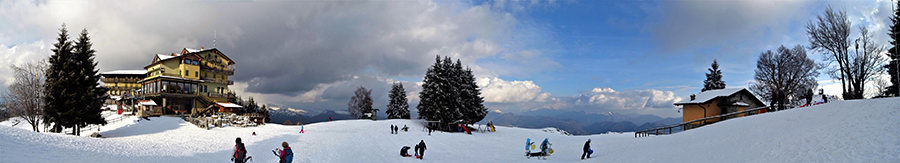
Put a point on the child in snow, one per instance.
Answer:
(405, 129)
(404, 151)
(286, 155)
(239, 151)
(587, 149)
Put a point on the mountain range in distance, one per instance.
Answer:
(580, 122)
(574, 122)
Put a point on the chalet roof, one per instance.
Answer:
(163, 57)
(705, 97)
(228, 105)
(147, 102)
(124, 72)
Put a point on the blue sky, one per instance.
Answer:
(592, 56)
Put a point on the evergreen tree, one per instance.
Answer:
(428, 102)
(449, 94)
(475, 110)
(90, 95)
(397, 108)
(59, 78)
(265, 112)
(893, 52)
(251, 106)
(713, 78)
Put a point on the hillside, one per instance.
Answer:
(843, 131)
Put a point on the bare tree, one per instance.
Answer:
(787, 70)
(361, 102)
(867, 63)
(831, 34)
(25, 95)
(881, 85)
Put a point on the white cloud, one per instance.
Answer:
(608, 98)
(494, 89)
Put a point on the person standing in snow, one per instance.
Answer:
(420, 149)
(239, 151)
(587, 149)
(286, 155)
(301, 128)
(545, 146)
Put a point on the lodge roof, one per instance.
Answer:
(705, 97)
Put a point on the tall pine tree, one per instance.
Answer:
(60, 84)
(90, 95)
(397, 107)
(449, 94)
(894, 53)
(713, 78)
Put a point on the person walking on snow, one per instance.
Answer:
(301, 128)
(420, 149)
(286, 155)
(239, 151)
(587, 149)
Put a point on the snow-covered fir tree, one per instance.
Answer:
(397, 108)
(713, 78)
(893, 65)
(92, 95)
(449, 94)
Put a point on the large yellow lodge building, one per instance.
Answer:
(184, 82)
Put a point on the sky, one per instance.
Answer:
(592, 56)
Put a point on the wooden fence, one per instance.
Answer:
(698, 123)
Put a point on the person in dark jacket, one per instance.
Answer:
(587, 149)
(420, 149)
(404, 151)
(239, 151)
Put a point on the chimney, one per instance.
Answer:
(693, 96)
(174, 54)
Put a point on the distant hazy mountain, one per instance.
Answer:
(580, 123)
(279, 115)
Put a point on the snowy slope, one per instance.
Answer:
(844, 131)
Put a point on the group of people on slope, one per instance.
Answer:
(420, 150)
(545, 149)
(396, 129)
(285, 155)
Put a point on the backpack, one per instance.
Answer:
(239, 153)
(288, 156)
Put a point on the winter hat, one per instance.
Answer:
(238, 140)
(284, 144)
(589, 140)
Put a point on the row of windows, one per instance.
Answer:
(190, 61)
(177, 87)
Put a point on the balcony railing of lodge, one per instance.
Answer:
(219, 81)
(120, 80)
(204, 67)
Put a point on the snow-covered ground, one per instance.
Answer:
(843, 131)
